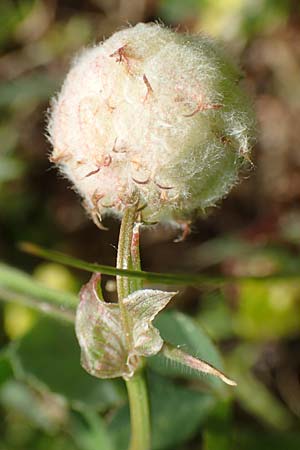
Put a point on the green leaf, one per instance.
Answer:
(218, 429)
(182, 331)
(6, 370)
(50, 354)
(19, 398)
(215, 315)
(177, 414)
(90, 433)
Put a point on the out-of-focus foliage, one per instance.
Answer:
(51, 344)
(46, 400)
(269, 310)
(230, 18)
(169, 429)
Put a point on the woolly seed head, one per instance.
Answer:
(153, 115)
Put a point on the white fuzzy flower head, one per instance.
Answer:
(153, 115)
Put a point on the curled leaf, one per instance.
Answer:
(104, 351)
(99, 332)
(143, 306)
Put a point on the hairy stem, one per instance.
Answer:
(129, 258)
(124, 262)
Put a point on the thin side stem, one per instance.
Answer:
(129, 258)
(176, 279)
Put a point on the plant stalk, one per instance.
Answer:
(139, 412)
(124, 262)
(129, 258)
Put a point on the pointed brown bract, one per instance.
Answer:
(177, 355)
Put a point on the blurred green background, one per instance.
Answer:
(46, 400)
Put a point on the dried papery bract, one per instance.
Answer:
(104, 351)
(152, 112)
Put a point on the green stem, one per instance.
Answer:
(128, 258)
(139, 412)
(124, 262)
